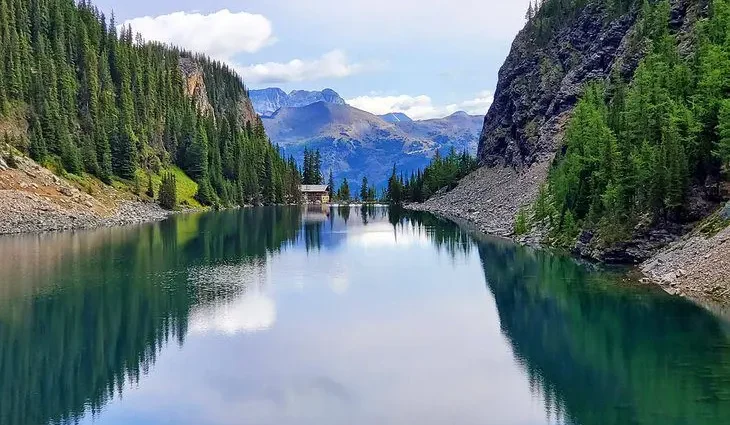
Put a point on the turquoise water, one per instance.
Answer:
(342, 316)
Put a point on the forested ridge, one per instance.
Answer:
(94, 99)
(636, 151)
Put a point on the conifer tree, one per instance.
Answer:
(364, 190)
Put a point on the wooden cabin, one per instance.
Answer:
(315, 193)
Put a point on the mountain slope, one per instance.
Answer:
(620, 111)
(355, 143)
(102, 106)
(538, 86)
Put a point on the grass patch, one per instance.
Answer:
(186, 187)
(713, 224)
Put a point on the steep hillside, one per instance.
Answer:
(355, 143)
(544, 74)
(610, 132)
(538, 86)
(96, 104)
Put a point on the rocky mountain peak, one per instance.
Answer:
(268, 101)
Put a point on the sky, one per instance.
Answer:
(426, 58)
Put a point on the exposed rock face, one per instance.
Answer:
(539, 86)
(194, 81)
(195, 84)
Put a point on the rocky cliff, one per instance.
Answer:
(194, 85)
(194, 82)
(539, 83)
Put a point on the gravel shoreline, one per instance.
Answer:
(34, 200)
(24, 213)
(696, 266)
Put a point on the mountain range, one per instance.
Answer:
(354, 143)
(267, 101)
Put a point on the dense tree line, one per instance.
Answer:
(441, 173)
(102, 101)
(546, 16)
(633, 151)
(312, 168)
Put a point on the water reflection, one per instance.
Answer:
(603, 352)
(85, 316)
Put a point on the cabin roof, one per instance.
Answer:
(313, 188)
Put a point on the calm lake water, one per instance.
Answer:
(344, 316)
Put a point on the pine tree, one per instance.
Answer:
(722, 151)
(150, 187)
(167, 197)
(364, 190)
(331, 185)
(343, 194)
(37, 149)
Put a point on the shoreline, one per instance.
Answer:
(696, 266)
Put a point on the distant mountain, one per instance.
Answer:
(354, 143)
(268, 101)
(395, 117)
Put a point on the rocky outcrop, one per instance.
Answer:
(246, 112)
(194, 84)
(698, 264)
(539, 83)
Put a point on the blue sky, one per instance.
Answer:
(426, 58)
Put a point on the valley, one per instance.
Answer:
(354, 143)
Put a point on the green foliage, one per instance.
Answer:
(168, 192)
(150, 187)
(364, 189)
(441, 173)
(722, 151)
(632, 151)
(107, 103)
(312, 172)
(343, 193)
(522, 222)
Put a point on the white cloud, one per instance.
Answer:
(222, 34)
(413, 20)
(334, 64)
(421, 107)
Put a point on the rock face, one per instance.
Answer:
(267, 101)
(539, 83)
(194, 81)
(539, 86)
(195, 84)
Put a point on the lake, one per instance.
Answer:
(340, 316)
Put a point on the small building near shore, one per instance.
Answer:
(315, 193)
